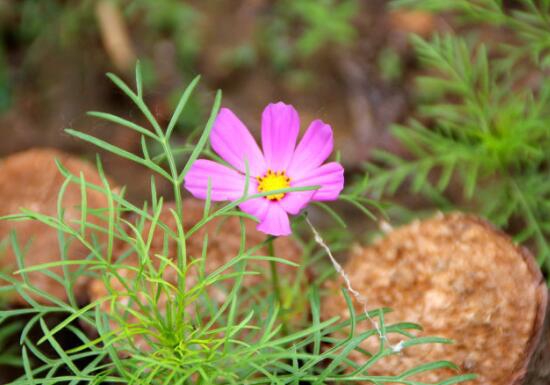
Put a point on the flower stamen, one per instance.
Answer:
(273, 181)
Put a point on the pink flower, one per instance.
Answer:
(281, 165)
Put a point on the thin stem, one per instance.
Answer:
(275, 284)
(274, 273)
(174, 173)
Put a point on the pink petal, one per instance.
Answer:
(256, 207)
(314, 148)
(225, 183)
(294, 202)
(329, 176)
(275, 221)
(280, 128)
(233, 142)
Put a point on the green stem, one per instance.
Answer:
(274, 273)
(174, 173)
(275, 284)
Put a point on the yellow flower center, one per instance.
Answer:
(273, 181)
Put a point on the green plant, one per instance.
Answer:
(33, 25)
(9, 353)
(528, 21)
(5, 91)
(324, 22)
(190, 337)
(56, 22)
(173, 19)
(481, 125)
(301, 28)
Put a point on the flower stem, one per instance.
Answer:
(274, 274)
(275, 284)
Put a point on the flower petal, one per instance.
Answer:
(314, 148)
(280, 128)
(256, 207)
(233, 142)
(275, 221)
(294, 202)
(329, 176)
(225, 183)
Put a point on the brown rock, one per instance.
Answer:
(223, 245)
(461, 279)
(418, 22)
(31, 180)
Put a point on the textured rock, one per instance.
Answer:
(31, 180)
(461, 279)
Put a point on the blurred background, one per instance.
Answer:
(347, 62)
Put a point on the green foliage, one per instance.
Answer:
(390, 65)
(171, 19)
(529, 23)
(320, 24)
(324, 22)
(301, 28)
(285, 35)
(5, 86)
(37, 27)
(480, 124)
(191, 337)
(56, 21)
(10, 355)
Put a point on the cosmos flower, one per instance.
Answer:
(280, 164)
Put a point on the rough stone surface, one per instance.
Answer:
(31, 180)
(460, 279)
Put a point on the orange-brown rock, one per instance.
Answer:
(418, 22)
(224, 238)
(461, 279)
(31, 180)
